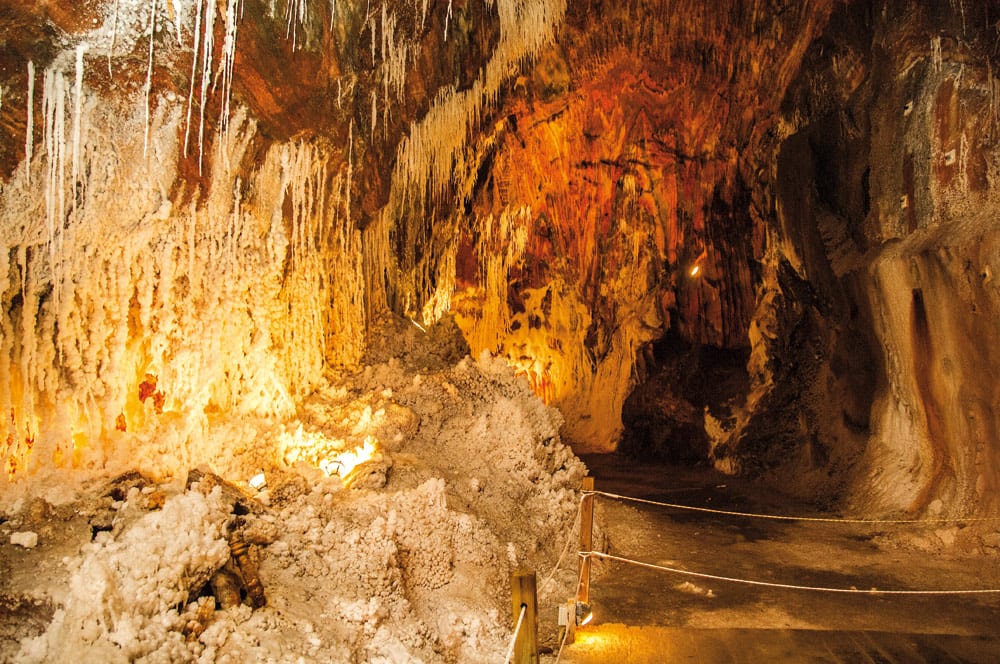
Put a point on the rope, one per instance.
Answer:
(561, 645)
(785, 518)
(579, 578)
(787, 586)
(565, 550)
(513, 639)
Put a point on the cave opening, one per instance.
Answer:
(664, 416)
(315, 315)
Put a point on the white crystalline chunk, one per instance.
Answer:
(258, 481)
(27, 539)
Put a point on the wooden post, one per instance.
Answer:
(570, 609)
(523, 594)
(586, 539)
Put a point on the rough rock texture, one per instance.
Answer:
(885, 252)
(805, 184)
(627, 160)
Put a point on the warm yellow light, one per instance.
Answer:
(327, 454)
(695, 270)
(584, 614)
(344, 463)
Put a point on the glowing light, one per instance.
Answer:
(327, 454)
(696, 266)
(344, 463)
(584, 614)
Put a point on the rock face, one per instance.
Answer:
(224, 195)
(884, 188)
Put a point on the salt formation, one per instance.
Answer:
(435, 159)
(86, 325)
(415, 570)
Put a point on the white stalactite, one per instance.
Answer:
(208, 46)
(149, 76)
(447, 21)
(196, 36)
(114, 36)
(178, 6)
(296, 13)
(29, 137)
(77, 113)
(234, 10)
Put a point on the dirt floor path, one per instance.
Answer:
(644, 615)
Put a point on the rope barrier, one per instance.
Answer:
(569, 540)
(513, 639)
(563, 644)
(787, 586)
(573, 617)
(753, 515)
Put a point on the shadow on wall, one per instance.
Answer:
(664, 417)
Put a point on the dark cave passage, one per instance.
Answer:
(664, 416)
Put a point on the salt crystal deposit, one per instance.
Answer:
(413, 568)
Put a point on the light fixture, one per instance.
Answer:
(583, 614)
(695, 269)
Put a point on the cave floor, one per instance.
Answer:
(646, 615)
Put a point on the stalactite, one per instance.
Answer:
(54, 140)
(81, 49)
(447, 20)
(29, 136)
(369, 19)
(296, 12)
(208, 47)
(178, 16)
(234, 8)
(434, 157)
(394, 66)
(149, 76)
(196, 36)
(114, 36)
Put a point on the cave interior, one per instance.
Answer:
(241, 235)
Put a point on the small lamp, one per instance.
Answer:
(583, 614)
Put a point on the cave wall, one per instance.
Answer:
(881, 265)
(626, 159)
(206, 204)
